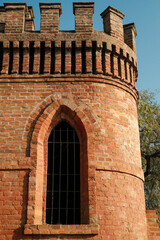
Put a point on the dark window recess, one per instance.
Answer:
(112, 63)
(1, 55)
(63, 176)
(133, 70)
(10, 57)
(125, 66)
(119, 66)
(112, 59)
(130, 73)
(63, 53)
(125, 69)
(42, 57)
(94, 48)
(119, 63)
(104, 57)
(31, 57)
(20, 57)
(2, 27)
(52, 57)
(73, 58)
(83, 57)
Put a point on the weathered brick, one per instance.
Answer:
(91, 85)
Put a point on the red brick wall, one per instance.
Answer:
(153, 225)
(15, 17)
(50, 17)
(100, 104)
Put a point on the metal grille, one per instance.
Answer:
(63, 176)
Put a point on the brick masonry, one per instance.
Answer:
(87, 78)
(153, 225)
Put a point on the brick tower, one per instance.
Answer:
(70, 155)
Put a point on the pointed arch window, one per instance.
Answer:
(63, 176)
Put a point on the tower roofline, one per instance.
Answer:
(30, 8)
(83, 5)
(51, 6)
(129, 25)
(113, 10)
(15, 5)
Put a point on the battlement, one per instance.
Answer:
(51, 52)
(19, 18)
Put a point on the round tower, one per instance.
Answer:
(71, 142)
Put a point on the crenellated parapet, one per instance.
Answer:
(50, 13)
(50, 52)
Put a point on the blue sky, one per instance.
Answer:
(144, 13)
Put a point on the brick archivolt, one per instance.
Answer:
(48, 114)
(66, 107)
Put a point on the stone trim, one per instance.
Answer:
(61, 229)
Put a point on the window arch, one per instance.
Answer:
(39, 128)
(63, 176)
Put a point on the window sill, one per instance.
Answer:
(47, 229)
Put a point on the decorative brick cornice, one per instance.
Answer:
(14, 6)
(83, 5)
(112, 10)
(131, 26)
(51, 6)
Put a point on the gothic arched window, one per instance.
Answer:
(63, 176)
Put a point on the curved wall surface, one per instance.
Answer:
(84, 77)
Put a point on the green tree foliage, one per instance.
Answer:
(149, 124)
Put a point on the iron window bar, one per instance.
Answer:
(63, 176)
